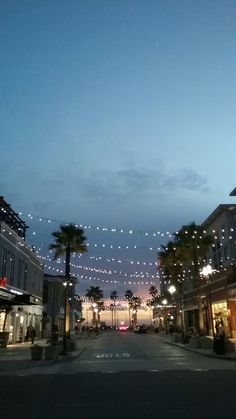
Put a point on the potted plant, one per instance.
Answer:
(36, 352)
(52, 352)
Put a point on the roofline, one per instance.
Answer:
(217, 212)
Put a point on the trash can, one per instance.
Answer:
(219, 345)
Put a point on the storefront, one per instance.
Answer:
(18, 310)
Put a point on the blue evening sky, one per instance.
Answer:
(118, 112)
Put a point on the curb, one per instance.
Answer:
(72, 355)
(222, 357)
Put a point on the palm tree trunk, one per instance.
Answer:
(67, 267)
(94, 318)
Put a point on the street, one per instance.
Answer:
(123, 376)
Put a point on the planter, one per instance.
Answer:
(219, 345)
(4, 338)
(206, 342)
(229, 346)
(52, 352)
(36, 352)
(176, 338)
(195, 342)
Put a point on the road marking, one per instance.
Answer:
(154, 370)
(200, 370)
(117, 355)
(108, 372)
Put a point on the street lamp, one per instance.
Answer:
(206, 272)
(172, 290)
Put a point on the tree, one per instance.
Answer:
(113, 297)
(128, 296)
(195, 245)
(67, 240)
(96, 296)
(153, 291)
(135, 304)
(184, 257)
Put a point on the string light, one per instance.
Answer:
(130, 231)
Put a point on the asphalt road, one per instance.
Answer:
(123, 376)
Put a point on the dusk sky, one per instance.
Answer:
(117, 113)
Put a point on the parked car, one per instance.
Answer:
(140, 329)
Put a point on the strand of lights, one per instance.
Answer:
(123, 230)
(111, 246)
(130, 231)
(86, 277)
(135, 247)
(132, 262)
(104, 245)
(105, 271)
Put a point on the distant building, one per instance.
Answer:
(21, 277)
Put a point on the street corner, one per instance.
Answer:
(72, 355)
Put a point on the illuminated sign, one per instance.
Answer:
(3, 282)
(15, 292)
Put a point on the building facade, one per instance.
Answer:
(53, 305)
(212, 303)
(21, 276)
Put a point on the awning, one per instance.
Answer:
(13, 296)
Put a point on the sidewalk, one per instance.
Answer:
(18, 356)
(204, 352)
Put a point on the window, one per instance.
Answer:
(19, 273)
(4, 262)
(12, 268)
(25, 276)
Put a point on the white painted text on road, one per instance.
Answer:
(116, 355)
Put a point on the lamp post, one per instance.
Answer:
(66, 284)
(164, 302)
(172, 290)
(206, 272)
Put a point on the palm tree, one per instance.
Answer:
(128, 296)
(172, 262)
(67, 240)
(135, 304)
(196, 244)
(96, 296)
(113, 297)
(189, 249)
(153, 292)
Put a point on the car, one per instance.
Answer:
(140, 329)
(123, 328)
